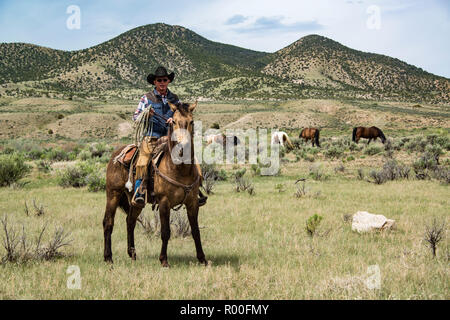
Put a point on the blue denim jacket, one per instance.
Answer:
(159, 103)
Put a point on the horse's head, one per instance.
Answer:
(182, 128)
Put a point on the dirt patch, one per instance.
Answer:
(86, 125)
(124, 129)
(14, 125)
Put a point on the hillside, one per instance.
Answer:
(317, 61)
(313, 66)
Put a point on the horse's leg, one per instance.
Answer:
(192, 212)
(369, 141)
(164, 215)
(131, 224)
(312, 142)
(112, 201)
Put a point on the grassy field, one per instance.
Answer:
(257, 245)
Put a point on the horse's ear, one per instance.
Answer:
(172, 107)
(192, 106)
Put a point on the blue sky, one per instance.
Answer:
(414, 31)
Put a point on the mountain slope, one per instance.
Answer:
(321, 62)
(313, 66)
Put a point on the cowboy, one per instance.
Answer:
(157, 100)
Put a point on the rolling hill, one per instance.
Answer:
(313, 66)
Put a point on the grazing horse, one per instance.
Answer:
(222, 139)
(311, 133)
(174, 184)
(280, 137)
(367, 133)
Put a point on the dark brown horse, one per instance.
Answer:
(174, 184)
(368, 133)
(311, 133)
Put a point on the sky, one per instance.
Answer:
(415, 31)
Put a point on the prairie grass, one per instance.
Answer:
(257, 245)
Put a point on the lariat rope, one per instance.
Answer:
(142, 124)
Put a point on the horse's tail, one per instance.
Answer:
(354, 134)
(301, 133)
(383, 138)
(288, 141)
(316, 137)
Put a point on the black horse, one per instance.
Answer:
(368, 133)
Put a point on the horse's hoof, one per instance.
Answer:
(109, 260)
(132, 253)
(203, 261)
(165, 264)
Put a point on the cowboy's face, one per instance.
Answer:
(161, 83)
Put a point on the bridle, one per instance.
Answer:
(186, 188)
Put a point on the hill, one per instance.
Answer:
(313, 66)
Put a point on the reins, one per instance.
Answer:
(186, 188)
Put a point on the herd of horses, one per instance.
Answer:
(313, 134)
(175, 184)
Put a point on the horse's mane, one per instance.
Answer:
(183, 108)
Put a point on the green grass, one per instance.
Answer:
(257, 245)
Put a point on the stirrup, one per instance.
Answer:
(139, 201)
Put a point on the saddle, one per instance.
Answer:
(131, 151)
(128, 156)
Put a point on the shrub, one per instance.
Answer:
(355, 147)
(256, 169)
(12, 169)
(339, 168)
(393, 170)
(378, 177)
(312, 224)
(334, 152)
(76, 176)
(434, 234)
(361, 174)
(442, 174)
(44, 166)
(20, 250)
(434, 151)
(280, 187)
(210, 176)
(98, 149)
(417, 144)
(316, 172)
(96, 182)
(84, 155)
(372, 150)
(35, 153)
(215, 125)
(56, 154)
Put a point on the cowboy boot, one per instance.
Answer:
(139, 194)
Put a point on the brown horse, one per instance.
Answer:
(311, 133)
(368, 133)
(174, 184)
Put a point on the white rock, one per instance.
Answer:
(364, 221)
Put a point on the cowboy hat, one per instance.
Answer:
(160, 72)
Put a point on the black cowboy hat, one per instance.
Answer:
(160, 72)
